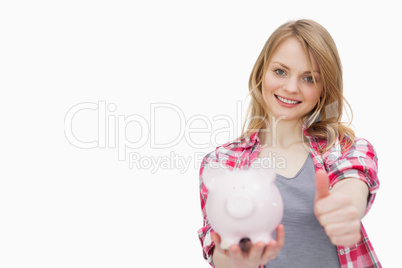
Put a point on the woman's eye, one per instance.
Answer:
(279, 72)
(309, 79)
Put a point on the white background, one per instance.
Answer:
(65, 206)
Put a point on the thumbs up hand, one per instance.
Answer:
(336, 212)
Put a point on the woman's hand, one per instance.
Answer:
(338, 210)
(249, 256)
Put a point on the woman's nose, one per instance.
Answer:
(292, 85)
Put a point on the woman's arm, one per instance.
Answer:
(340, 210)
(356, 191)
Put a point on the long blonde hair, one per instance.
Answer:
(325, 120)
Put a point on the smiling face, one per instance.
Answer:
(288, 87)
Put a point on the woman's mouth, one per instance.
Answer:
(287, 102)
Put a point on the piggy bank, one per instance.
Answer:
(243, 203)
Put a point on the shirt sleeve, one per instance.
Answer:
(204, 233)
(359, 161)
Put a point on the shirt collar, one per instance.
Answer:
(253, 139)
(248, 141)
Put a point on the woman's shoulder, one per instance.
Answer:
(233, 149)
(362, 145)
(344, 149)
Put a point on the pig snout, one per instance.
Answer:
(239, 205)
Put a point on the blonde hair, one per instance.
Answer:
(325, 120)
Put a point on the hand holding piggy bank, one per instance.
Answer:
(242, 203)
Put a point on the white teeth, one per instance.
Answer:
(287, 101)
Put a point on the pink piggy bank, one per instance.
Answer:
(242, 203)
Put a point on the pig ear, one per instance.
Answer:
(211, 173)
(263, 167)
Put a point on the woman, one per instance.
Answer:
(329, 179)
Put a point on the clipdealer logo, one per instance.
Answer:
(113, 133)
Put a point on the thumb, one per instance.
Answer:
(321, 184)
(215, 237)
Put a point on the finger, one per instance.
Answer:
(274, 246)
(327, 216)
(344, 228)
(256, 251)
(215, 237)
(321, 184)
(280, 235)
(346, 240)
(235, 253)
(217, 240)
(334, 202)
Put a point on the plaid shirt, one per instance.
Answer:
(359, 161)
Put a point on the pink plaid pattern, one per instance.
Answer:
(359, 161)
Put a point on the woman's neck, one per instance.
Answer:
(282, 133)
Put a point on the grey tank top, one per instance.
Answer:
(306, 244)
